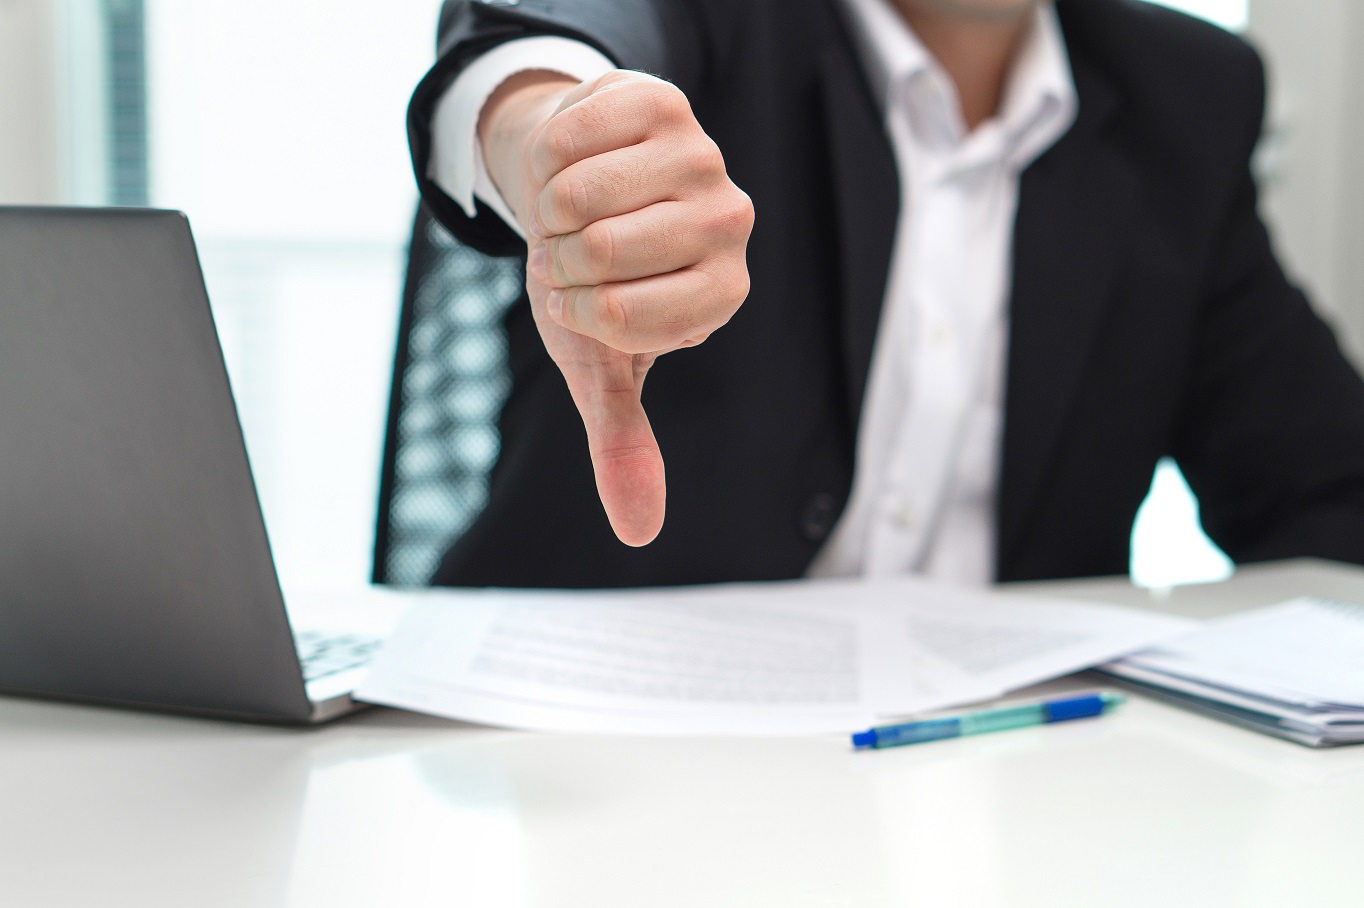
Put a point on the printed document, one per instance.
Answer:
(1295, 670)
(777, 658)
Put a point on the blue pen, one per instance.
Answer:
(987, 720)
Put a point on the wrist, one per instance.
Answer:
(510, 120)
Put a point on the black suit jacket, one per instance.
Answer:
(1148, 315)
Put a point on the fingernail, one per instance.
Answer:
(555, 304)
(536, 262)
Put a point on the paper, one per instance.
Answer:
(1010, 642)
(1295, 669)
(775, 658)
(1309, 651)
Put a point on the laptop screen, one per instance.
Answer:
(133, 556)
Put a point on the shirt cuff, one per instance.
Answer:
(456, 164)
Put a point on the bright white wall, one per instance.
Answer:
(286, 120)
(1230, 14)
(30, 158)
(1314, 198)
(279, 128)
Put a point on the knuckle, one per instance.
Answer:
(615, 80)
(612, 316)
(562, 271)
(684, 323)
(727, 291)
(734, 218)
(747, 212)
(560, 145)
(739, 289)
(612, 77)
(703, 158)
(568, 200)
(666, 104)
(735, 284)
(598, 245)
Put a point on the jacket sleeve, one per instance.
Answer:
(661, 37)
(1271, 434)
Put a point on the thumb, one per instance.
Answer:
(625, 456)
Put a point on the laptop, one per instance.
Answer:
(134, 564)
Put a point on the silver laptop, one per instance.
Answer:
(134, 564)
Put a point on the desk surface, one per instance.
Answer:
(1149, 807)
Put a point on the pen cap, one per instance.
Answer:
(864, 739)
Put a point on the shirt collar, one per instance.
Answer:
(1039, 102)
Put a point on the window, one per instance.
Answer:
(279, 128)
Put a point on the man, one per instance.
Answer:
(1005, 257)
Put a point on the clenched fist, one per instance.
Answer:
(636, 241)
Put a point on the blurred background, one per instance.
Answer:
(279, 128)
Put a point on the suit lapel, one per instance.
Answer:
(866, 202)
(1075, 204)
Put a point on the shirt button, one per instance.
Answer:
(905, 515)
(818, 516)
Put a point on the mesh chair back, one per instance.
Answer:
(450, 380)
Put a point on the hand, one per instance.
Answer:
(636, 247)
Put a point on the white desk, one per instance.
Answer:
(1149, 807)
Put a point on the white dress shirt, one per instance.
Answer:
(928, 447)
(927, 450)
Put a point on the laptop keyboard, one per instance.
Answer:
(322, 653)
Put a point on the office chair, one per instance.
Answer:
(450, 380)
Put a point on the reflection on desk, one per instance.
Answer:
(1151, 806)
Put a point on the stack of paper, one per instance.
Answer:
(737, 659)
(1295, 670)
